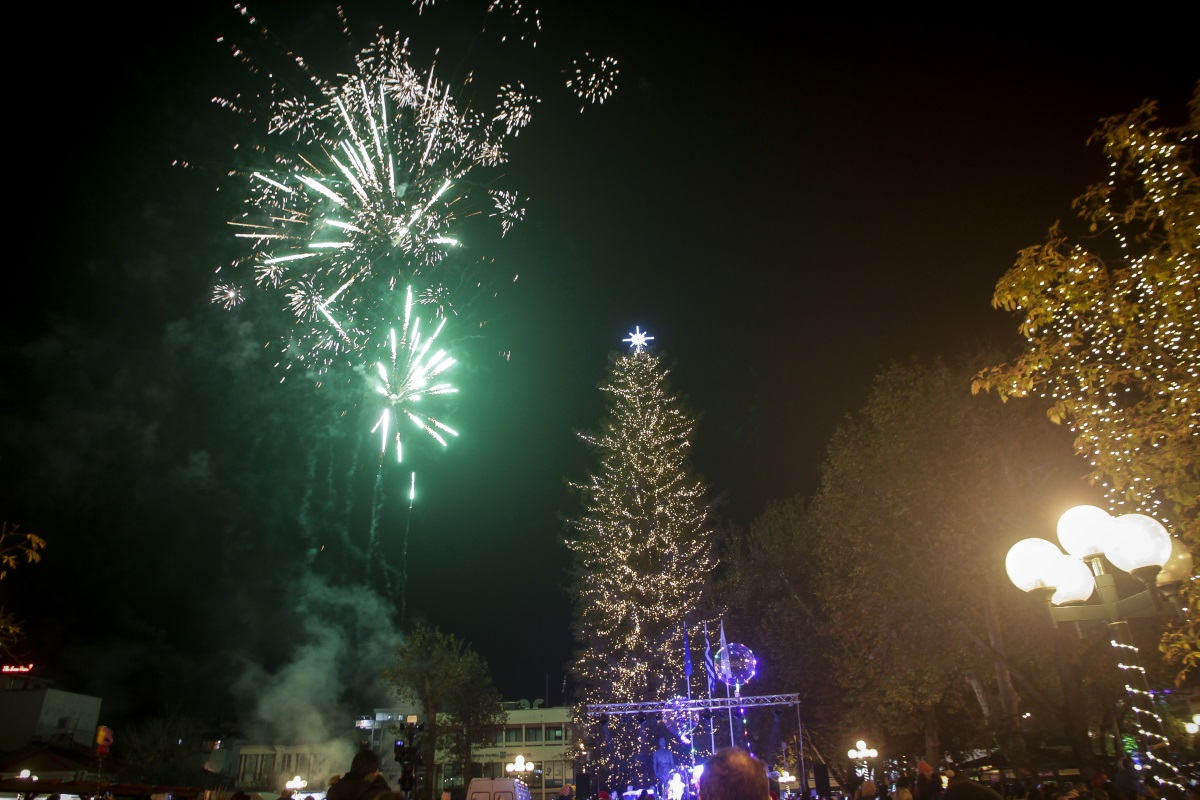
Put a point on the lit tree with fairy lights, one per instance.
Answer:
(1112, 333)
(642, 552)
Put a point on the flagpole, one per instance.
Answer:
(687, 679)
(726, 677)
(708, 668)
(731, 743)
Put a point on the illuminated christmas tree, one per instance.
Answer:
(642, 554)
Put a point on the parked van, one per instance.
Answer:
(497, 789)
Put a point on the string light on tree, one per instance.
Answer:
(641, 553)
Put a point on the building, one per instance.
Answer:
(541, 737)
(33, 713)
(267, 767)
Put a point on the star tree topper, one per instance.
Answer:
(637, 339)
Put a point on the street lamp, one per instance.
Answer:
(1133, 543)
(860, 752)
(519, 767)
(786, 779)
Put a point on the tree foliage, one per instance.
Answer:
(642, 554)
(890, 581)
(16, 548)
(453, 685)
(1110, 322)
(164, 749)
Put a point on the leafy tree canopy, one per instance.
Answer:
(1110, 321)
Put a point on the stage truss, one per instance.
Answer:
(701, 704)
(711, 704)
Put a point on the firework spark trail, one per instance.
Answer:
(385, 169)
(370, 182)
(412, 496)
(405, 379)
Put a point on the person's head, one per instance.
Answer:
(925, 768)
(732, 773)
(365, 764)
(867, 788)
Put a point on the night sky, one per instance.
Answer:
(786, 203)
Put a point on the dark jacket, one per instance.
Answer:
(352, 787)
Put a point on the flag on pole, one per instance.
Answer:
(708, 662)
(687, 653)
(726, 669)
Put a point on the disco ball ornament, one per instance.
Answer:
(679, 720)
(735, 664)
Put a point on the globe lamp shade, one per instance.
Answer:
(1178, 567)
(1074, 582)
(1085, 531)
(1138, 541)
(1032, 564)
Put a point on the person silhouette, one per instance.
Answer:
(664, 764)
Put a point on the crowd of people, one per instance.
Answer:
(1125, 783)
(733, 773)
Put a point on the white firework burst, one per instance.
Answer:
(595, 79)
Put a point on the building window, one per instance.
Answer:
(554, 733)
(512, 735)
(533, 734)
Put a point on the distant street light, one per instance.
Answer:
(786, 779)
(1094, 540)
(519, 767)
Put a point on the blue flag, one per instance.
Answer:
(687, 654)
(726, 671)
(708, 662)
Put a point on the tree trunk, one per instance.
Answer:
(1009, 734)
(933, 744)
(1073, 719)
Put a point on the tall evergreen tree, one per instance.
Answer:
(642, 552)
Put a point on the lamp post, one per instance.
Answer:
(1094, 540)
(860, 752)
(785, 780)
(519, 768)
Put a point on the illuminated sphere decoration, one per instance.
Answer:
(740, 667)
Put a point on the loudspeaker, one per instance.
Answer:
(821, 778)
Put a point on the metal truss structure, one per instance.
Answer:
(703, 704)
(710, 705)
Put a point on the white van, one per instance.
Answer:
(497, 789)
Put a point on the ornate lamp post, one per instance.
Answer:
(519, 768)
(860, 752)
(1094, 541)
